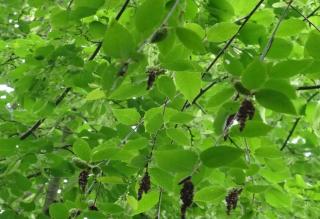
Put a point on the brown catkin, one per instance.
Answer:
(83, 180)
(145, 185)
(186, 196)
(232, 199)
(246, 111)
(93, 208)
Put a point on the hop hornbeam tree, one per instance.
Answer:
(108, 109)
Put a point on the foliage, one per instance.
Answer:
(159, 108)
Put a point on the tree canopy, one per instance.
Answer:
(159, 109)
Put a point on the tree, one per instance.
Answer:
(159, 109)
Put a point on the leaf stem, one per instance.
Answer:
(270, 41)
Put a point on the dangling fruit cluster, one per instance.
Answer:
(152, 75)
(83, 180)
(186, 195)
(145, 185)
(232, 199)
(93, 208)
(246, 111)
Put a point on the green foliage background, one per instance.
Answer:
(120, 88)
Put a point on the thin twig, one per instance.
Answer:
(70, 4)
(313, 12)
(158, 216)
(285, 143)
(66, 91)
(123, 8)
(230, 41)
(97, 50)
(305, 18)
(221, 52)
(202, 92)
(309, 87)
(270, 41)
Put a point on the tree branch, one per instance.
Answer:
(309, 87)
(67, 90)
(305, 18)
(123, 8)
(221, 52)
(285, 143)
(202, 92)
(313, 12)
(97, 50)
(230, 41)
(51, 194)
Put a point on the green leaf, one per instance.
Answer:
(221, 32)
(190, 39)
(166, 86)
(82, 149)
(128, 116)
(153, 119)
(111, 180)
(280, 48)
(95, 95)
(275, 101)
(176, 160)
(254, 75)
(291, 27)
(147, 202)
(58, 211)
(282, 86)
(188, 83)
(97, 30)
(179, 135)
(180, 117)
(252, 129)
(220, 156)
(289, 68)
(162, 178)
(256, 188)
(128, 90)
(149, 15)
(211, 194)
(84, 8)
(252, 33)
(278, 199)
(268, 152)
(312, 46)
(118, 41)
(221, 97)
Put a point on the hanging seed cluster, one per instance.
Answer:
(245, 112)
(186, 195)
(93, 208)
(232, 199)
(83, 180)
(145, 185)
(152, 75)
